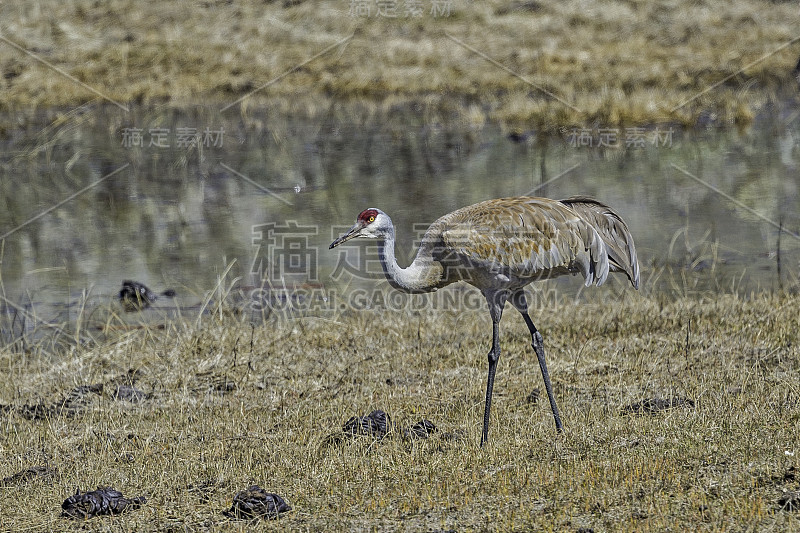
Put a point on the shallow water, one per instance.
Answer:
(96, 196)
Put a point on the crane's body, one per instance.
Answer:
(502, 245)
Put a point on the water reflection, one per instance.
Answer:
(262, 195)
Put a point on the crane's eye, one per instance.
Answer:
(371, 219)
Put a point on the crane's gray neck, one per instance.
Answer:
(423, 275)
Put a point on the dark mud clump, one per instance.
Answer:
(376, 424)
(77, 400)
(80, 398)
(202, 490)
(29, 474)
(652, 406)
(128, 393)
(123, 388)
(103, 501)
(533, 397)
(789, 501)
(224, 386)
(255, 502)
(421, 430)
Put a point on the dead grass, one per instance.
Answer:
(229, 405)
(606, 62)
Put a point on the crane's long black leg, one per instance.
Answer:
(538, 347)
(494, 356)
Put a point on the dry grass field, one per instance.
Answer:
(222, 404)
(681, 414)
(538, 65)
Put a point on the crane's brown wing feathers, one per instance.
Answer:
(527, 236)
(613, 231)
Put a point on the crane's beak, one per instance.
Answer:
(351, 234)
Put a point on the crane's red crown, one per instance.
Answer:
(368, 216)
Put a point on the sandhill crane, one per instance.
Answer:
(500, 246)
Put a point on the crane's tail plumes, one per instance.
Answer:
(613, 231)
